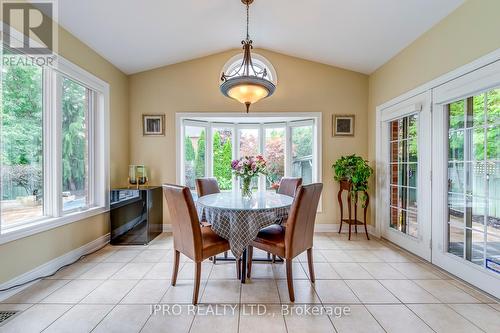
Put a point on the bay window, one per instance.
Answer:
(290, 145)
(53, 146)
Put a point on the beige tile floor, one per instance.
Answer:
(384, 289)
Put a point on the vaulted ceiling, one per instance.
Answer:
(360, 35)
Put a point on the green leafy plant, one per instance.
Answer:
(356, 170)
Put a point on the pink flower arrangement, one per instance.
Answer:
(249, 166)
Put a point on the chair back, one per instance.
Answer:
(299, 230)
(206, 186)
(288, 186)
(184, 219)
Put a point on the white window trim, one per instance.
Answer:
(313, 118)
(52, 147)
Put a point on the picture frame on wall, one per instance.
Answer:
(343, 125)
(153, 124)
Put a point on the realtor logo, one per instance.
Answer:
(28, 27)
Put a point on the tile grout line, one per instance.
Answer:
(373, 316)
(62, 314)
(448, 305)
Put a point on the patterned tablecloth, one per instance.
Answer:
(239, 220)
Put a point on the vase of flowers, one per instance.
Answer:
(247, 168)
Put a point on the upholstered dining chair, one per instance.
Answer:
(206, 186)
(289, 185)
(296, 238)
(190, 238)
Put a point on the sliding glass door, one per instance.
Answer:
(466, 193)
(474, 177)
(404, 169)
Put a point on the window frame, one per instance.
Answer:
(308, 119)
(258, 60)
(98, 150)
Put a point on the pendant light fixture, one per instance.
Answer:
(247, 85)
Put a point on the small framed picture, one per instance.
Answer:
(153, 125)
(343, 125)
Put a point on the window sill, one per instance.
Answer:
(39, 226)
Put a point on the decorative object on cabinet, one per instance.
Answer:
(137, 175)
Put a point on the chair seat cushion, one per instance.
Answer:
(212, 243)
(271, 239)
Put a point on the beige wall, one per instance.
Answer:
(468, 33)
(22, 255)
(193, 86)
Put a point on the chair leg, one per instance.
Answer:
(214, 259)
(225, 255)
(310, 264)
(349, 230)
(268, 256)
(249, 261)
(197, 278)
(289, 279)
(274, 258)
(176, 267)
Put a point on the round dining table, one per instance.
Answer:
(239, 219)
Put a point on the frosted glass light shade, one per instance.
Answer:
(247, 89)
(248, 93)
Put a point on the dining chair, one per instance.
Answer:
(206, 186)
(190, 238)
(288, 186)
(296, 238)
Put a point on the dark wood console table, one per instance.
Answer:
(346, 186)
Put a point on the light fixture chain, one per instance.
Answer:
(248, 18)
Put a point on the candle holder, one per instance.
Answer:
(137, 175)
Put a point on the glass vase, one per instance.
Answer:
(246, 190)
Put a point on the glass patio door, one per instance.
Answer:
(404, 166)
(467, 161)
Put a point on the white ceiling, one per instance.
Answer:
(360, 35)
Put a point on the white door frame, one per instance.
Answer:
(421, 105)
(480, 80)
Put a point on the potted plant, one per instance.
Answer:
(247, 168)
(354, 170)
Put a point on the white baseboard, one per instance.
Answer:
(334, 227)
(51, 266)
(323, 227)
